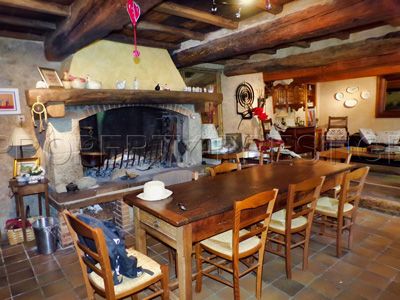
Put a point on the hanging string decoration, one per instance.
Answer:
(134, 13)
(39, 109)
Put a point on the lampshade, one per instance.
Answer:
(20, 137)
(208, 131)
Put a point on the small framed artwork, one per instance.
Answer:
(24, 165)
(9, 102)
(50, 77)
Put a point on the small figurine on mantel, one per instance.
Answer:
(157, 88)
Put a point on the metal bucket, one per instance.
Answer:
(46, 231)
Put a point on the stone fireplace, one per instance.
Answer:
(63, 143)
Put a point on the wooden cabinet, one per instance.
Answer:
(300, 139)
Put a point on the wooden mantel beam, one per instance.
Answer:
(174, 9)
(346, 58)
(45, 7)
(89, 21)
(333, 16)
(122, 37)
(188, 34)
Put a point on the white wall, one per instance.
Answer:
(360, 116)
(231, 119)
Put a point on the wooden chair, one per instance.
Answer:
(100, 280)
(295, 221)
(268, 147)
(340, 214)
(225, 167)
(334, 155)
(266, 127)
(229, 248)
(337, 133)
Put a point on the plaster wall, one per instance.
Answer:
(108, 62)
(360, 116)
(18, 61)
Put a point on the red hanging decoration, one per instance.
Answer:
(134, 13)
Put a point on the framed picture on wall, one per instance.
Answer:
(9, 102)
(25, 165)
(50, 77)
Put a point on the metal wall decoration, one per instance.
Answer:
(244, 100)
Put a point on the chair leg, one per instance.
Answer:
(305, 250)
(350, 238)
(288, 258)
(134, 297)
(199, 268)
(172, 259)
(236, 283)
(165, 282)
(339, 238)
(259, 275)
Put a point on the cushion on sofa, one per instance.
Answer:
(368, 135)
(390, 137)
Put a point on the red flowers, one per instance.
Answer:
(260, 114)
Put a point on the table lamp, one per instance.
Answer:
(210, 138)
(20, 138)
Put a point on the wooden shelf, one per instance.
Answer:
(89, 97)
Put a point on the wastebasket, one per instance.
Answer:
(46, 230)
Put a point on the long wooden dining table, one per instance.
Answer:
(209, 206)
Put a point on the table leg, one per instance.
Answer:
(184, 261)
(20, 201)
(40, 204)
(46, 203)
(140, 233)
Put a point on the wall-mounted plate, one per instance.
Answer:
(365, 95)
(350, 103)
(339, 96)
(352, 89)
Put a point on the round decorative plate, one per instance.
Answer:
(365, 95)
(352, 89)
(339, 96)
(349, 103)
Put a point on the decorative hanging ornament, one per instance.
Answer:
(134, 13)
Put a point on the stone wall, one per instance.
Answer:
(19, 61)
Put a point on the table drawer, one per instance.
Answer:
(158, 224)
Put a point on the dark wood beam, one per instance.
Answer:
(394, 22)
(299, 44)
(343, 58)
(23, 22)
(338, 15)
(188, 34)
(22, 35)
(89, 21)
(45, 7)
(174, 9)
(121, 37)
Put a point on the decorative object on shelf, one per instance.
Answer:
(78, 83)
(36, 174)
(134, 13)
(244, 100)
(41, 84)
(50, 77)
(120, 84)
(135, 84)
(157, 87)
(39, 109)
(20, 138)
(350, 103)
(71, 187)
(93, 84)
(339, 96)
(24, 165)
(365, 95)
(9, 102)
(352, 89)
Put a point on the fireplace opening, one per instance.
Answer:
(124, 143)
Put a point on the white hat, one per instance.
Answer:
(154, 190)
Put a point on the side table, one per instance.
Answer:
(20, 190)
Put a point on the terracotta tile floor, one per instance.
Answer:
(370, 271)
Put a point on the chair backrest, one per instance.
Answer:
(266, 146)
(335, 155)
(302, 200)
(176, 177)
(353, 183)
(225, 167)
(78, 228)
(337, 122)
(266, 127)
(244, 216)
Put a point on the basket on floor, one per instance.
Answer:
(16, 236)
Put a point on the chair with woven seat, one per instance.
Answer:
(335, 155)
(341, 213)
(271, 148)
(225, 167)
(100, 280)
(294, 220)
(337, 133)
(229, 248)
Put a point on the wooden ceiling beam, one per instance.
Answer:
(23, 22)
(45, 7)
(121, 37)
(89, 21)
(186, 12)
(188, 34)
(299, 44)
(21, 35)
(341, 58)
(334, 16)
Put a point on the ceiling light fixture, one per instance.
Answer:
(238, 3)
